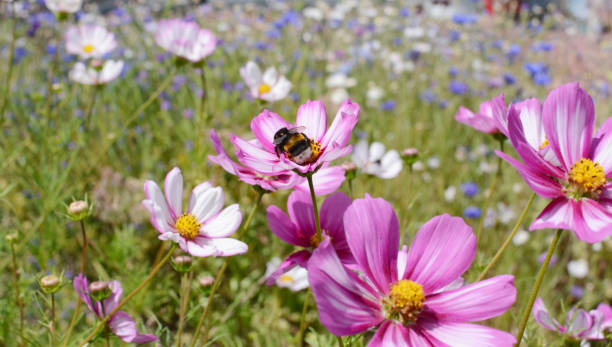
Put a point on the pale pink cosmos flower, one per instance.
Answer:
(326, 181)
(328, 144)
(411, 299)
(92, 75)
(185, 39)
(63, 6)
(298, 228)
(485, 119)
(203, 229)
(579, 324)
(269, 86)
(89, 41)
(564, 162)
(120, 323)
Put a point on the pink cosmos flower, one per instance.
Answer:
(120, 323)
(299, 228)
(485, 120)
(89, 41)
(203, 229)
(563, 161)
(185, 39)
(579, 324)
(409, 300)
(327, 180)
(328, 143)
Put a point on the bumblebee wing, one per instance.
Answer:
(277, 141)
(299, 129)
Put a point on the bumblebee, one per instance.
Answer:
(296, 146)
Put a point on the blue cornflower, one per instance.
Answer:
(542, 46)
(454, 35)
(470, 189)
(463, 19)
(388, 105)
(509, 78)
(458, 87)
(472, 212)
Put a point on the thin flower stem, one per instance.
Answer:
(182, 305)
(7, 87)
(146, 281)
(303, 322)
(17, 293)
(75, 315)
(503, 247)
(90, 108)
(314, 206)
(84, 248)
(490, 193)
(203, 98)
(536, 287)
(213, 290)
(103, 315)
(53, 319)
(340, 343)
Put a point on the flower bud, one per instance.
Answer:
(205, 281)
(78, 210)
(11, 238)
(99, 290)
(182, 263)
(350, 170)
(50, 284)
(410, 156)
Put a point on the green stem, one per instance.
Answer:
(7, 87)
(203, 98)
(53, 319)
(104, 315)
(146, 281)
(182, 305)
(340, 343)
(503, 247)
(490, 193)
(536, 287)
(314, 205)
(91, 107)
(303, 322)
(84, 248)
(72, 322)
(17, 293)
(213, 290)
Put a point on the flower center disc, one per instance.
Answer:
(88, 48)
(187, 226)
(264, 88)
(287, 279)
(406, 300)
(587, 177)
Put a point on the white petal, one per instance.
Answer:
(173, 187)
(208, 204)
(224, 224)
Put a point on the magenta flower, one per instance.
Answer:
(563, 161)
(579, 324)
(185, 39)
(327, 180)
(413, 302)
(120, 323)
(299, 228)
(203, 229)
(485, 120)
(328, 144)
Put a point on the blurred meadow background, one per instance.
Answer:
(410, 65)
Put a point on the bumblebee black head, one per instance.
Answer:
(281, 132)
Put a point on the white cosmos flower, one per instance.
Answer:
(375, 161)
(64, 6)
(85, 74)
(271, 86)
(295, 279)
(340, 80)
(89, 41)
(578, 268)
(185, 39)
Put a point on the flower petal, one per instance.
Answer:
(342, 126)
(559, 214)
(196, 193)
(299, 206)
(222, 247)
(569, 117)
(224, 224)
(372, 232)
(283, 227)
(474, 302)
(331, 213)
(265, 125)
(173, 187)
(157, 198)
(124, 327)
(602, 153)
(299, 258)
(81, 286)
(345, 306)
(540, 314)
(541, 184)
(113, 300)
(441, 252)
(360, 153)
(251, 74)
(313, 116)
(393, 334)
(593, 223)
(605, 128)
(258, 159)
(580, 322)
(325, 181)
(208, 204)
(468, 335)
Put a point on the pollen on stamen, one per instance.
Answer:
(264, 88)
(587, 177)
(544, 144)
(88, 48)
(287, 279)
(187, 226)
(405, 300)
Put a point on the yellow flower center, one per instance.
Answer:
(405, 301)
(587, 177)
(187, 226)
(287, 279)
(264, 88)
(544, 144)
(314, 241)
(88, 48)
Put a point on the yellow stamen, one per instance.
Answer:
(287, 279)
(264, 88)
(88, 48)
(544, 144)
(187, 226)
(587, 176)
(406, 300)
(314, 241)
